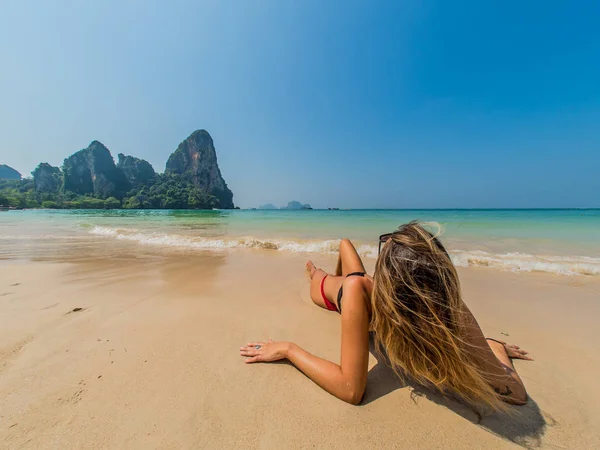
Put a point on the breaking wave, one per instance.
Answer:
(516, 262)
(523, 262)
(182, 241)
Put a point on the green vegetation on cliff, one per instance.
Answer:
(90, 179)
(164, 192)
(18, 194)
(170, 192)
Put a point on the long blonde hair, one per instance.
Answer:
(416, 315)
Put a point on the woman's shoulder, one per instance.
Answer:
(357, 283)
(357, 290)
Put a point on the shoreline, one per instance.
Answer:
(151, 358)
(563, 242)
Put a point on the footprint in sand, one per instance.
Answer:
(7, 354)
(76, 396)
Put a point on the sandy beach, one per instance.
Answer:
(151, 358)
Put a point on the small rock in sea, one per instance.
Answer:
(504, 333)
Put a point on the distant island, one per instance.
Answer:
(268, 206)
(295, 205)
(90, 179)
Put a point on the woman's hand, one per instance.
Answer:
(513, 351)
(264, 351)
(516, 352)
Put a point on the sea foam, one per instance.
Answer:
(516, 262)
(523, 262)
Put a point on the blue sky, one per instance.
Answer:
(337, 103)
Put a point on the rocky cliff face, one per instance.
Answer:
(93, 171)
(137, 171)
(8, 173)
(196, 160)
(47, 178)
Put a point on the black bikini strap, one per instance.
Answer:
(356, 274)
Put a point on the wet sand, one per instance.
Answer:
(151, 360)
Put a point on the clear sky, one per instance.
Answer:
(334, 103)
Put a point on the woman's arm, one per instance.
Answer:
(495, 359)
(504, 352)
(347, 380)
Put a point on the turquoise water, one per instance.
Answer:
(559, 241)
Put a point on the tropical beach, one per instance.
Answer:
(111, 341)
(292, 225)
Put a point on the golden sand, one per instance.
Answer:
(151, 360)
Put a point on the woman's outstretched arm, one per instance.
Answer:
(495, 358)
(504, 352)
(346, 380)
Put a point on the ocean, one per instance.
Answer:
(559, 241)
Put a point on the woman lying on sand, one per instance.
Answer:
(414, 306)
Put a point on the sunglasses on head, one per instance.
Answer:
(384, 238)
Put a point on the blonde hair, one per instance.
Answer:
(416, 315)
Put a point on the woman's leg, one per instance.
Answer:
(348, 262)
(348, 259)
(331, 285)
